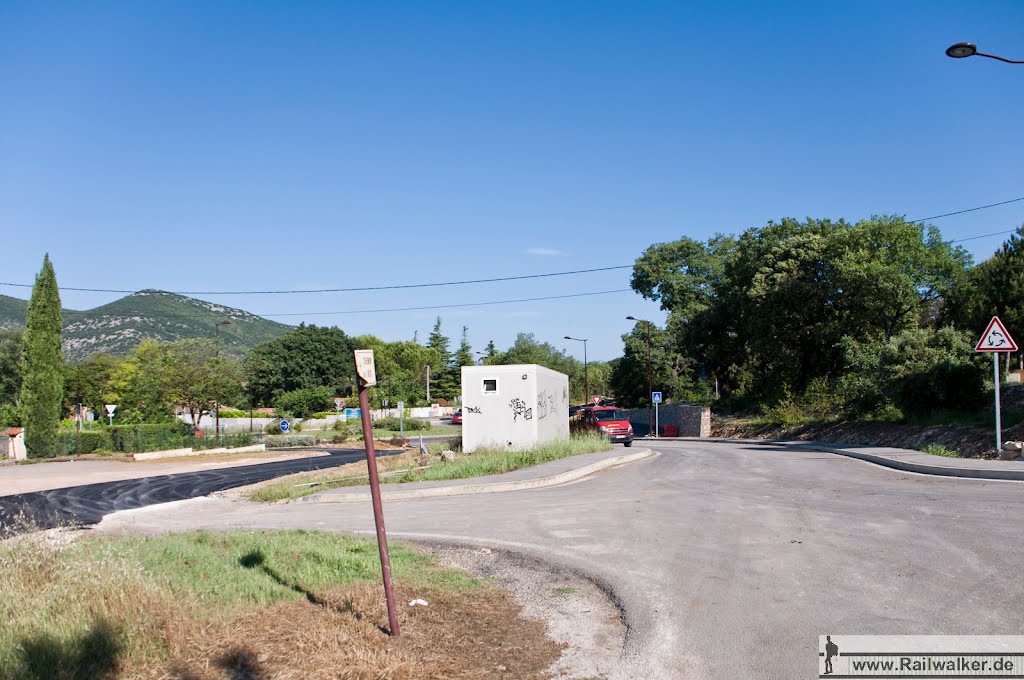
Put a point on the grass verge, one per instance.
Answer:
(940, 450)
(240, 604)
(403, 468)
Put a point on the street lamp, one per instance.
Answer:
(216, 400)
(966, 49)
(586, 374)
(650, 381)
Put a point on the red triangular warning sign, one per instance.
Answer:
(996, 339)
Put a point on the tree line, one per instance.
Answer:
(878, 316)
(299, 374)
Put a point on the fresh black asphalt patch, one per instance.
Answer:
(86, 505)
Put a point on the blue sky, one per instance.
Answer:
(241, 146)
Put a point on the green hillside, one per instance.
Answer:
(150, 314)
(12, 312)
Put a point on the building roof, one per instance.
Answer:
(13, 431)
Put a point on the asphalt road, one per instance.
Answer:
(89, 503)
(728, 559)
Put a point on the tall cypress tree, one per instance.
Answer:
(42, 380)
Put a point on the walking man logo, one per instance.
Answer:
(831, 649)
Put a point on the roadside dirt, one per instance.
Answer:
(581, 619)
(471, 634)
(969, 442)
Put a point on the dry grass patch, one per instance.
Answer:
(255, 605)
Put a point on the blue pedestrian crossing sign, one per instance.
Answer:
(284, 426)
(656, 397)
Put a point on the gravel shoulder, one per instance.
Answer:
(580, 617)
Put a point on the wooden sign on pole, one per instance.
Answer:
(370, 378)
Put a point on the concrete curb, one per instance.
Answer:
(493, 487)
(182, 453)
(896, 464)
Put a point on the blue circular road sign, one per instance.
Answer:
(284, 426)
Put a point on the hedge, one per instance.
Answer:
(142, 438)
(277, 441)
(391, 423)
(88, 442)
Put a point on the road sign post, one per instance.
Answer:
(110, 412)
(367, 376)
(996, 339)
(656, 398)
(401, 419)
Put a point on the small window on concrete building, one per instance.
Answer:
(490, 385)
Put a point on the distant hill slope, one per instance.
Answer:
(12, 312)
(150, 314)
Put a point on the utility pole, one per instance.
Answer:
(586, 373)
(650, 381)
(216, 401)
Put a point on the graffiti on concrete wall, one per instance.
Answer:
(473, 409)
(546, 405)
(519, 409)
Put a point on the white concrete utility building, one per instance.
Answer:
(513, 407)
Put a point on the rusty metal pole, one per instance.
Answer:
(378, 511)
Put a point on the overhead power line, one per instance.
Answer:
(362, 289)
(154, 315)
(961, 212)
(464, 304)
(438, 284)
(975, 238)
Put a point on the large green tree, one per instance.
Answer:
(444, 383)
(199, 376)
(401, 370)
(138, 385)
(86, 382)
(42, 386)
(308, 356)
(10, 376)
(766, 311)
(671, 373)
(993, 288)
(10, 365)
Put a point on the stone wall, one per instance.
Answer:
(691, 419)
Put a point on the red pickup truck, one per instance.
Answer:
(609, 421)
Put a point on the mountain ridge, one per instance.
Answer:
(118, 326)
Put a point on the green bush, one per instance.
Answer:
(277, 441)
(785, 413)
(232, 440)
(940, 450)
(391, 423)
(929, 370)
(9, 416)
(88, 441)
(346, 431)
(149, 437)
(304, 402)
(919, 371)
(233, 413)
